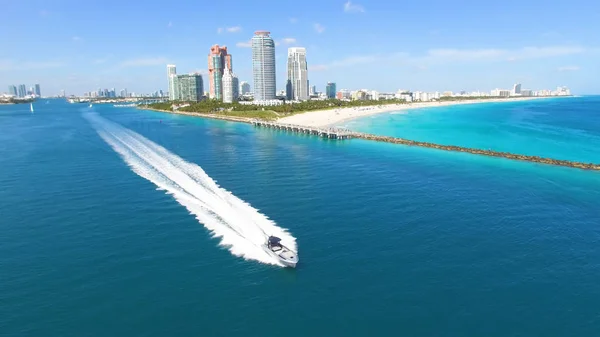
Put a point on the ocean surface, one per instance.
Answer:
(560, 128)
(119, 222)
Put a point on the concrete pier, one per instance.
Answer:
(330, 133)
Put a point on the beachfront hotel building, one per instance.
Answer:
(330, 90)
(172, 76)
(230, 86)
(190, 87)
(516, 89)
(298, 73)
(218, 61)
(263, 66)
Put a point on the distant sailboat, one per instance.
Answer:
(31, 107)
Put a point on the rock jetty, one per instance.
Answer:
(489, 153)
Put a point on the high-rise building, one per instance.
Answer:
(190, 87)
(289, 90)
(230, 86)
(330, 90)
(38, 91)
(172, 76)
(263, 66)
(22, 90)
(244, 88)
(298, 73)
(313, 90)
(12, 90)
(218, 61)
(517, 89)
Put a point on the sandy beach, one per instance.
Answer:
(334, 117)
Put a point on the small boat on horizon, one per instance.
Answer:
(284, 255)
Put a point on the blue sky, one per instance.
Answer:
(383, 45)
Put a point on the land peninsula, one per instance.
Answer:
(326, 114)
(311, 113)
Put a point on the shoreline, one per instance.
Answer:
(331, 117)
(407, 142)
(203, 115)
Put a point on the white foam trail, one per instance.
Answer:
(240, 227)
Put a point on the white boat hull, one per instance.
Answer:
(287, 258)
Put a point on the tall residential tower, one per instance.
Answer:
(172, 75)
(230, 86)
(263, 66)
(12, 90)
(190, 87)
(218, 61)
(298, 73)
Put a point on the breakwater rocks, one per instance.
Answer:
(489, 153)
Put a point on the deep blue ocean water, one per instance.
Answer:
(393, 240)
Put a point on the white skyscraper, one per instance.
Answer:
(263, 66)
(172, 76)
(230, 86)
(298, 73)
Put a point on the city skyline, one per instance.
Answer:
(426, 50)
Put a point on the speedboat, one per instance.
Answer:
(284, 255)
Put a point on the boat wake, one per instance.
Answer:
(240, 227)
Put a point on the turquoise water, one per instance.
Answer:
(392, 240)
(560, 128)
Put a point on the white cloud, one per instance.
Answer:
(8, 65)
(349, 7)
(568, 68)
(144, 62)
(448, 56)
(293, 20)
(345, 62)
(445, 55)
(246, 44)
(319, 28)
(464, 54)
(234, 29)
(318, 67)
(288, 40)
(102, 60)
